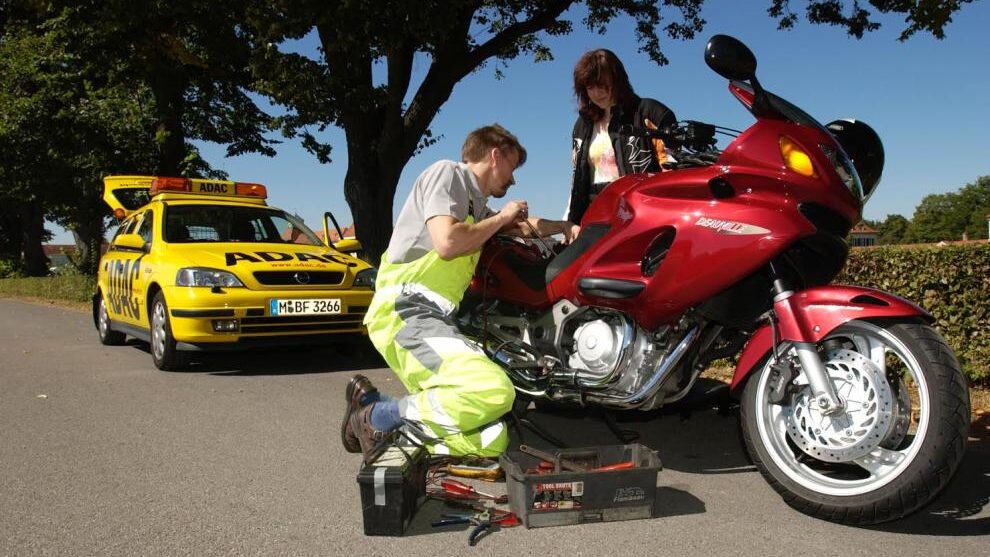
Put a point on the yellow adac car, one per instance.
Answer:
(208, 265)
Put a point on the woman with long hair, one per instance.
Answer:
(601, 154)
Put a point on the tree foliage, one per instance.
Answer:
(134, 82)
(102, 87)
(386, 122)
(192, 56)
(948, 216)
(890, 230)
(919, 15)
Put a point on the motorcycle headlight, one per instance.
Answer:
(366, 277)
(203, 276)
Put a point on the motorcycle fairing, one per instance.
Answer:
(718, 239)
(810, 315)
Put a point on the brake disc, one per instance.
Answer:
(860, 427)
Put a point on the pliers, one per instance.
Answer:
(484, 523)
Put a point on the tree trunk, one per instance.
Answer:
(33, 219)
(11, 233)
(169, 90)
(89, 240)
(369, 188)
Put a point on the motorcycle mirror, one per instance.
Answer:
(730, 58)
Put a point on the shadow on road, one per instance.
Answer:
(706, 440)
(283, 360)
(954, 512)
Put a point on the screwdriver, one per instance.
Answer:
(459, 488)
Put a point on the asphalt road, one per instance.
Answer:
(102, 454)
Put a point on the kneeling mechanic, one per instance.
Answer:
(457, 396)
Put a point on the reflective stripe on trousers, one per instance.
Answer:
(457, 395)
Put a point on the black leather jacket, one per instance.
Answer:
(632, 153)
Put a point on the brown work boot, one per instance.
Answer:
(357, 388)
(368, 437)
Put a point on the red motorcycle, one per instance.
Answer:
(852, 406)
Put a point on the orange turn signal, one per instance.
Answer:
(795, 157)
(255, 190)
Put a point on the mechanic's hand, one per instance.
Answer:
(570, 231)
(515, 211)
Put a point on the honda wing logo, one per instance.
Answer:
(730, 227)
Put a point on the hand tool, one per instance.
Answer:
(554, 459)
(460, 488)
(482, 469)
(484, 522)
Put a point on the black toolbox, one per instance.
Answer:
(393, 486)
(558, 498)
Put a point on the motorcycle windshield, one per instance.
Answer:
(775, 107)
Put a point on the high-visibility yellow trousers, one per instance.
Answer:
(457, 395)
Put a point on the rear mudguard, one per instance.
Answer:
(810, 315)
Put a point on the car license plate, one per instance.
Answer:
(311, 306)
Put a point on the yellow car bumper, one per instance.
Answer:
(197, 313)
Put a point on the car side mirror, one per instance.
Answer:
(730, 58)
(130, 241)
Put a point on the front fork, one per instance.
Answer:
(787, 316)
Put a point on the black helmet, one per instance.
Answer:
(864, 148)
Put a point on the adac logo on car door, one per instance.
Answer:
(122, 275)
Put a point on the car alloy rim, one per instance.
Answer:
(104, 318)
(158, 331)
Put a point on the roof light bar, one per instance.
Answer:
(161, 184)
(253, 190)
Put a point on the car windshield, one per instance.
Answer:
(230, 223)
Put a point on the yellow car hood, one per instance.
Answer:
(245, 257)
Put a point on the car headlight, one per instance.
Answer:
(366, 277)
(203, 276)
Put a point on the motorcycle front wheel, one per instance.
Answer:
(895, 444)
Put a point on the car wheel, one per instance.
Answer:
(108, 336)
(163, 346)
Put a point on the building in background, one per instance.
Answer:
(863, 235)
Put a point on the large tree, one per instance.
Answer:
(191, 55)
(29, 120)
(98, 87)
(950, 216)
(64, 124)
(891, 230)
(386, 123)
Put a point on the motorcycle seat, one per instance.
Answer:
(589, 235)
(532, 272)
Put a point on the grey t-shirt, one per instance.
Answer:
(445, 188)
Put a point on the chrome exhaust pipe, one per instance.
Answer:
(650, 388)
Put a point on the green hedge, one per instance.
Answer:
(952, 282)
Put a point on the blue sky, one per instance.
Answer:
(928, 99)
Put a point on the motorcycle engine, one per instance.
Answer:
(597, 347)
